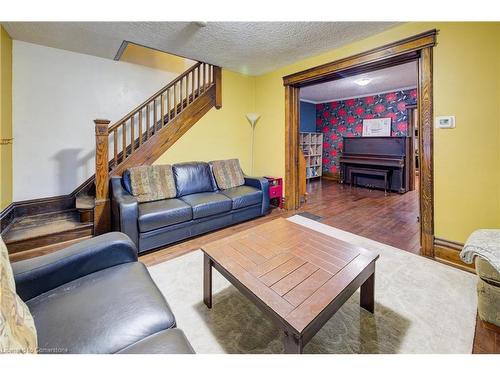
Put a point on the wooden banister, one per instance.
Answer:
(154, 96)
(199, 88)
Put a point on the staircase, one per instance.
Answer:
(139, 138)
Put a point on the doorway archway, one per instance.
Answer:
(416, 48)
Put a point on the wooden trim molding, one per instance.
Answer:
(426, 141)
(329, 70)
(292, 113)
(416, 48)
(448, 252)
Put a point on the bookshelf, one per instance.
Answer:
(312, 147)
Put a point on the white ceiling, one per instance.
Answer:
(383, 80)
(247, 47)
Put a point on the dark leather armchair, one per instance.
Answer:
(95, 297)
(199, 206)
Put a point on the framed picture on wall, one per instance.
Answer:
(377, 127)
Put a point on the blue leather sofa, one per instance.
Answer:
(95, 297)
(198, 208)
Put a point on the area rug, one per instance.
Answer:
(421, 306)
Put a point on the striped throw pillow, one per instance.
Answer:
(228, 173)
(152, 182)
(17, 327)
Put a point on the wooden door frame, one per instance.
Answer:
(410, 113)
(416, 48)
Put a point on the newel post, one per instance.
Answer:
(218, 86)
(102, 212)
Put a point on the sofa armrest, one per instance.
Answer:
(41, 274)
(169, 341)
(260, 183)
(125, 210)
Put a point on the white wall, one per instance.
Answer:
(56, 96)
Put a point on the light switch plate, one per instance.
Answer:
(445, 122)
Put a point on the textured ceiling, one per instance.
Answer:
(383, 80)
(247, 47)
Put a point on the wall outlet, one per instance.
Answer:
(445, 122)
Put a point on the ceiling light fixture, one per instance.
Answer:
(362, 81)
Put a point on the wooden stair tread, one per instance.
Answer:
(85, 202)
(32, 227)
(44, 250)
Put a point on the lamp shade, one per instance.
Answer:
(252, 118)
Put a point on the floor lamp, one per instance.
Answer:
(252, 119)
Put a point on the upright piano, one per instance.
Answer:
(388, 153)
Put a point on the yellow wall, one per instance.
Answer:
(5, 118)
(466, 84)
(223, 133)
(155, 59)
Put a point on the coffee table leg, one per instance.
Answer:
(367, 298)
(207, 280)
(293, 344)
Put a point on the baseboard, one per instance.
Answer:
(331, 176)
(448, 252)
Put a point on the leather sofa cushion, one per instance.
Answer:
(102, 312)
(243, 196)
(192, 178)
(208, 204)
(159, 214)
(170, 341)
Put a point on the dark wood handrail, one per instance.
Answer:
(153, 97)
(199, 88)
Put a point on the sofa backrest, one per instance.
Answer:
(193, 177)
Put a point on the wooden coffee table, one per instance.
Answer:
(298, 276)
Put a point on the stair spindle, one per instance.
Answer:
(124, 140)
(148, 120)
(183, 92)
(115, 146)
(202, 78)
(198, 81)
(155, 116)
(169, 104)
(140, 127)
(180, 95)
(175, 99)
(132, 135)
(192, 86)
(162, 108)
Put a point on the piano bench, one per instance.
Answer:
(385, 173)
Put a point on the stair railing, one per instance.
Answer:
(129, 133)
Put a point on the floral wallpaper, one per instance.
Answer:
(344, 118)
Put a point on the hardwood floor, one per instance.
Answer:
(388, 219)
(486, 338)
(391, 219)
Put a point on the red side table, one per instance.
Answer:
(276, 190)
